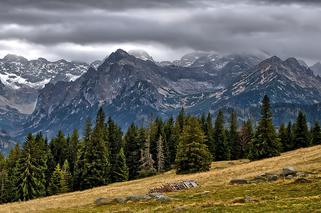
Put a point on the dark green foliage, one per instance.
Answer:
(233, 140)
(265, 143)
(58, 147)
(134, 139)
(289, 137)
(156, 130)
(316, 134)
(209, 133)
(283, 137)
(120, 172)
(3, 179)
(171, 137)
(114, 138)
(301, 132)
(180, 120)
(222, 149)
(96, 166)
(73, 144)
(29, 173)
(192, 154)
(160, 154)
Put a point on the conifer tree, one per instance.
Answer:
(156, 130)
(73, 144)
(58, 147)
(209, 133)
(171, 137)
(192, 154)
(114, 137)
(3, 179)
(222, 149)
(265, 143)
(236, 149)
(289, 138)
(134, 139)
(180, 120)
(283, 137)
(30, 175)
(57, 181)
(316, 134)
(245, 137)
(67, 182)
(96, 167)
(160, 155)
(80, 163)
(301, 132)
(12, 176)
(120, 172)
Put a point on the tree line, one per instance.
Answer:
(105, 155)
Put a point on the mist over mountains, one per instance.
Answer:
(39, 95)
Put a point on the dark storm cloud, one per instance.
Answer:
(285, 27)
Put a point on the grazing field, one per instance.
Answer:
(214, 193)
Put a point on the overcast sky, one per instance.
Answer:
(86, 30)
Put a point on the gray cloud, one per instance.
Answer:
(226, 26)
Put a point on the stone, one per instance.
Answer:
(272, 178)
(160, 197)
(104, 201)
(238, 181)
(289, 171)
(302, 180)
(289, 177)
(302, 174)
(136, 198)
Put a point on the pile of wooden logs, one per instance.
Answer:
(172, 187)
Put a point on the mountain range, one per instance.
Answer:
(39, 95)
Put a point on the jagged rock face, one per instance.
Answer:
(316, 68)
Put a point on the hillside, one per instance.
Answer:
(281, 195)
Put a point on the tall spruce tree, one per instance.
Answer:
(192, 154)
(96, 168)
(57, 181)
(316, 134)
(289, 138)
(120, 172)
(12, 176)
(73, 144)
(3, 178)
(67, 184)
(283, 137)
(209, 133)
(114, 137)
(58, 147)
(134, 139)
(222, 149)
(171, 137)
(31, 179)
(146, 167)
(265, 143)
(236, 149)
(301, 132)
(180, 120)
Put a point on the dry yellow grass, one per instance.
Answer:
(308, 159)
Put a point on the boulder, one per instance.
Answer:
(302, 180)
(136, 198)
(289, 171)
(238, 181)
(160, 197)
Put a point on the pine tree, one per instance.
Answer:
(30, 181)
(73, 150)
(156, 130)
(222, 149)
(265, 143)
(134, 139)
(209, 133)
(192, 153)
(67, 181)
(80, 163)
(57, 181)
(180, 120)
(283, 137)
(3, 179)
(301, 132)
(114, 137)
(289, 138)
(316, 134)
(171, 137)
(236, 149)
(120, 173)
(58, 147)
(12, 176)
(160, 155)
(245, 137)
(96, 165)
